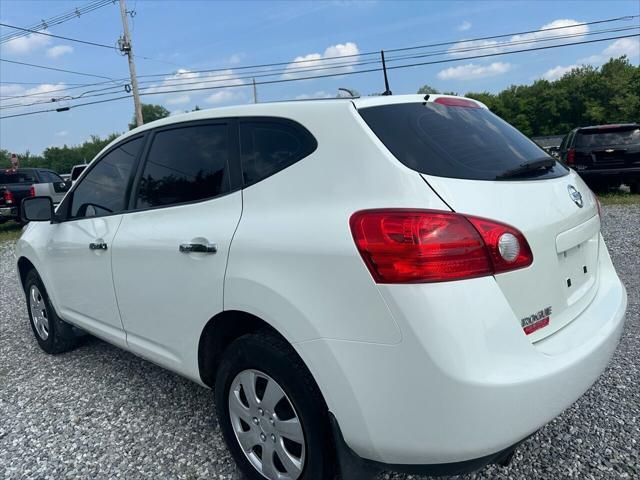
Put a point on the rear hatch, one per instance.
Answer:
(607, 146)
(480, 165)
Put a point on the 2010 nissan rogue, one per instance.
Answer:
(389, 283)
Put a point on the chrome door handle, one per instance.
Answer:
(97, 246)
(198, 248)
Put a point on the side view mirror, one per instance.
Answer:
(36, 209)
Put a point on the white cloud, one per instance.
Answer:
(58, 50)
(224, 96)
(547, 31)
(318, 94)
(464, 26)
(62, 133)
(45, 91)
(183, 81)
(236, 58)
(623, 46)
(26, 44)
(300, 65)
(557, 72)
(472, 71)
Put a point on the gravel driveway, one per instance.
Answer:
(99, 412)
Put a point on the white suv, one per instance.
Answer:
(401, 283)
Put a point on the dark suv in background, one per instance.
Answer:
(605, 156)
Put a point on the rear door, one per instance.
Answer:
(473, 160)
(170, 254)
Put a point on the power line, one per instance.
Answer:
(112, 47)
(54, 69)
(306, 69)
(396, 67)
(452, 42)
(58, 19)
(246, 67)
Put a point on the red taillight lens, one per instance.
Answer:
(456, 102)
(598, 204)
(8, 197)
(32, 191)
(419, 246)
(571, 156)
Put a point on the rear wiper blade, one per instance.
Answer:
(527, 167)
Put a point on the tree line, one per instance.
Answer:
(586, 95)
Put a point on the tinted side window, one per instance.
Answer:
(102, 191)
(185, 164)
(268, 146)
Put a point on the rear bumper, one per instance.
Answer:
(621, 174)
(465, 383)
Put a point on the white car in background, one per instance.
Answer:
(406, 281)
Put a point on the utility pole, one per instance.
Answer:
(255, 92)
(126, 48)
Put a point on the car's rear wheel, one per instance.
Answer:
(271, 413)
(53, 334)
(635, 187)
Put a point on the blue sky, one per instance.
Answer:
(183, 36)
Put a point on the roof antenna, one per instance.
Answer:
(386, 80)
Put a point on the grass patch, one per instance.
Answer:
(619, 198)
(10, 231)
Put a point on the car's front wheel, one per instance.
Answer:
(271, 412)
(53, 334)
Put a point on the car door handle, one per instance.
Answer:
(198, 248)
(97, 246)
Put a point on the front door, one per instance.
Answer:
(170, 253)
(80, 277)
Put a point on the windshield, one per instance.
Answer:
(608, 136)
(454, 141)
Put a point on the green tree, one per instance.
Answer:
(150, 112)
(584, 96)
(427, 89)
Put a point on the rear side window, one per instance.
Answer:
(103, 190)
(185, 164)
(604, 137)
(10, 176)
(270, 145)
(454, 141)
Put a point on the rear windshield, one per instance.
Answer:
(607, 136)
(456, 142)
(16, 177)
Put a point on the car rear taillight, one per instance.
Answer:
(8, 197)
(456, 102)
(420, 246)
(571, 156)
(32, 191)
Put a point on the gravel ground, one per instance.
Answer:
(99, 412)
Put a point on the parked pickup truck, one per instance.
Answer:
(27, 182)
(605, 156)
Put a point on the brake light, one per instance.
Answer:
(32, 191)
(8, 197)
(456, 102)
(571, 156)
(421, 246)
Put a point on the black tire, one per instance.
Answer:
(635, 188)
(60, 335)
(273, 356)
